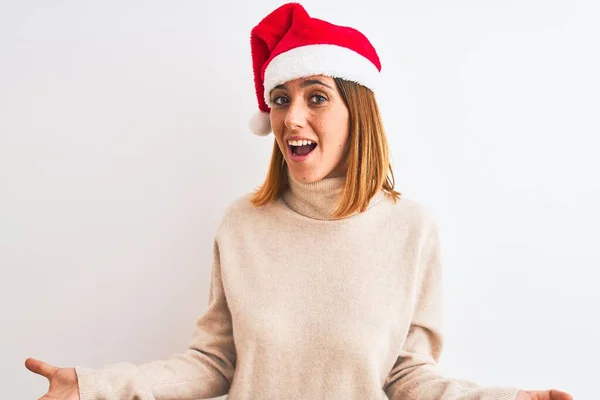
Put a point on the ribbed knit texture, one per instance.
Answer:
(304, 306)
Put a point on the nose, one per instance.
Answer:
(296, 115)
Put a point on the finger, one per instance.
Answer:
(40, 367)
(559, 395)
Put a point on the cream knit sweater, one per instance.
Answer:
(306, 307)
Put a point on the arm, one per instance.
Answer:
(415, 375)
(205, 370)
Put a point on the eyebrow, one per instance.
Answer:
(304, 84)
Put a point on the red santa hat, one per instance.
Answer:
(289, 44)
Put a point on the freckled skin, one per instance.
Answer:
(315, 112)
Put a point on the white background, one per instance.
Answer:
(123, 137)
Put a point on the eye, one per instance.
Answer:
(320, 99)
(279, 100)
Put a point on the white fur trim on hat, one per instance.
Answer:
(320, 59)
(260, 123)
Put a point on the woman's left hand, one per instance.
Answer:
(552, 394)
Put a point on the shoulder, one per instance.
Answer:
(241, 211)
(414, 213)
(418, 224)
(240, 205)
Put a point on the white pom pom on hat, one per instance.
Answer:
(289, 44)
(260, 123)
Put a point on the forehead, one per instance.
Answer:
(297, 83)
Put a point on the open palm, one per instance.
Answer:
(63, 381)
(552, 394)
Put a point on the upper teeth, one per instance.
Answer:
(299, 142)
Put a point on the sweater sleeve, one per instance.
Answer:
(204, 370)
(415, 374)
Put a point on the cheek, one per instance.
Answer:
(277, 128)
(334, 132)
(282, 146)
(276, 121)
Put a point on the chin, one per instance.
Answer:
(306, 176)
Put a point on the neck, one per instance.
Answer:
(318, 200)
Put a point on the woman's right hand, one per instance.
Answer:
(63, 381)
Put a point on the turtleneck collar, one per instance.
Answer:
(317, 200)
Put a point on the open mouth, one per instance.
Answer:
(302, 150)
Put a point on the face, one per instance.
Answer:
(310, 112)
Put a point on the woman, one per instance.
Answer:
(325, 283)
